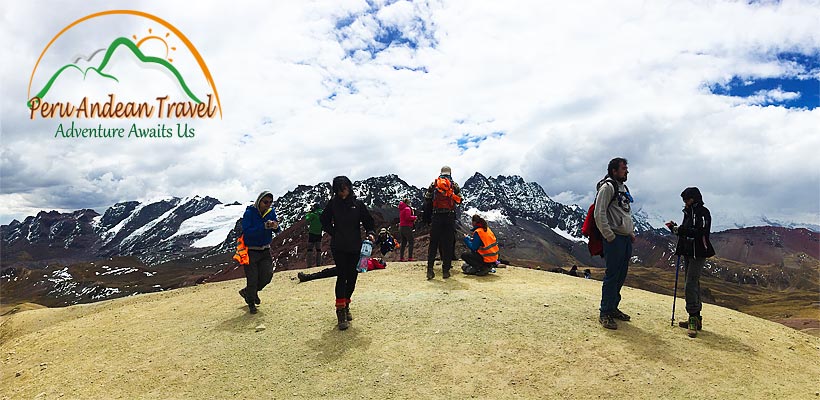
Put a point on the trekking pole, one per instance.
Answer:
(675, 295)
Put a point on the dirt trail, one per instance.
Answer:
(518, 333)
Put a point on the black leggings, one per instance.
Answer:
(347, 273)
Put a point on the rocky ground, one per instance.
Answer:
(519, 333)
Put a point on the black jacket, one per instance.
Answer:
(693, 233)
(341, 219)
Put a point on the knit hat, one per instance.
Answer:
(383, 230)
(445, 170)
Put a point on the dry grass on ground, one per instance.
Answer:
(516, 334)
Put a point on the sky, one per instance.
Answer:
(719, 95)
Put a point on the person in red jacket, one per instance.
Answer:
(406, 222)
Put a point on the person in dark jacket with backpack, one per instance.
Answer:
(258, 224)
(440, 202)
(694, 246)
(342, 219)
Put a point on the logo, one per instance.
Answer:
(126, 65)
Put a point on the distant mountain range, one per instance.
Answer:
(67, 258)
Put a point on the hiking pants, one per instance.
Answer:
(314, 244)
(347, 274)
(693, 266)
(477, 261)
(443, 239)
(325, 273)
(258, 273)
(407, 240)
(616, 256)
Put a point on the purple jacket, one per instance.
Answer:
(406, 217)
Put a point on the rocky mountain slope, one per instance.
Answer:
(519, 333)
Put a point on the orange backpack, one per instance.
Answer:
(241, 255)
(443, 196)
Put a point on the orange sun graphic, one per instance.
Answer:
(150, 36)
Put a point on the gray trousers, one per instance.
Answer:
(693, 266)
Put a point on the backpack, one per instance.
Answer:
(241, 255)
(590, 229)
(443, 196)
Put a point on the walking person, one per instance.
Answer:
(483, 247)
(406, 222)
(314, 236)
(694, 246)
(440, 203)
(613, 216)
(258, 224)
(342, 218)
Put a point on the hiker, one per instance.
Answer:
(613, 216)
(314, 235)
(341, 219)
(694, 246)
(573, 271)
(406, 222)
(484, 249)
(440, 202)
(587, 274)
(386, 241)
(258, 224)
(325, 273)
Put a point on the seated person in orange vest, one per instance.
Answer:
(484, 248)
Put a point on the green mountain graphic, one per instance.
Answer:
(121, 41)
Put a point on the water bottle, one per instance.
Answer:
(364, 254)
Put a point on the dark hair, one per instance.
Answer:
(692, 193)
(479, 222)
(614, 164)
(340, 182)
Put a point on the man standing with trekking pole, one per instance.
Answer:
(613, 216)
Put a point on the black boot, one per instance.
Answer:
(342, 318)
(445, 273)
(348, 315)
(303, 277)
(430, 273)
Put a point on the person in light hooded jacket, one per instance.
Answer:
(258, 224)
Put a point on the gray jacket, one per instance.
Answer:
(613, 211)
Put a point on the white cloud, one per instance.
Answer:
(569, 85)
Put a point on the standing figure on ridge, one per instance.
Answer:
(314, 235)
(440, 202)
(258, 224)
(406, 222)
(613, 216)
(695, 247)
(342, 218)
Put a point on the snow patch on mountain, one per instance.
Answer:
(218, 223)
(569, 236)
(496, 216)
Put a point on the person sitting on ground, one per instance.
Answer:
(587, 274)
(484, 249)
(385, 241)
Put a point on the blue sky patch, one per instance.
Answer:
(800, 90)
(468, 140)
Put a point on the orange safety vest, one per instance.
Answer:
(490, 250)
(241, 255)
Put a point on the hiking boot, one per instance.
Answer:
(252, 308)
(401, 259)
(256, 299)
(445, 273)
(685, 324)
(607, 321)
(620, 315)
(430, 273)
(348, 315)
(303, 277)
(693, 326)
(342, 318)
(244, 294)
